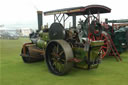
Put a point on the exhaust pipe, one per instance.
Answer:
(40, 22)
(74, 21)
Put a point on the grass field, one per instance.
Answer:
(14, 72)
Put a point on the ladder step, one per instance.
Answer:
(114, 50)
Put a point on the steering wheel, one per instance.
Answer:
(95, 28)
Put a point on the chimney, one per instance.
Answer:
(39, 15)
(74, 21)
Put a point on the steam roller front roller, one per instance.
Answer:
(30, 56)
(58, 54)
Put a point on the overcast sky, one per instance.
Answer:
(23, 11)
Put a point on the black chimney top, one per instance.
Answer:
(39, 15)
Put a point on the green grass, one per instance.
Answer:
(14, 72)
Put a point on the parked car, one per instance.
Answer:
(9, 35)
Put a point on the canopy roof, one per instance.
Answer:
(83, 10)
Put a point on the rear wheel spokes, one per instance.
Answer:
(56, 48)
(59, 66)
(58, 58)
(60, 53)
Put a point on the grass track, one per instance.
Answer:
(14, 72)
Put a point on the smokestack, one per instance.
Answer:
(74, 21)
(39, 15)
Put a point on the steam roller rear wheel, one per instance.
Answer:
(58, 54)
(105, 49)
(27, 58)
